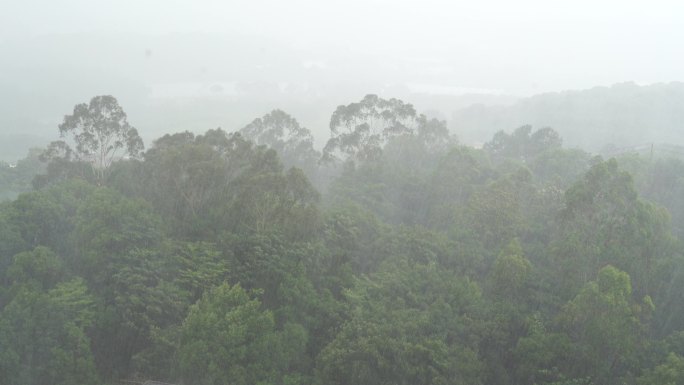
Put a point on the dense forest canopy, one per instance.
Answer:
(396, 255)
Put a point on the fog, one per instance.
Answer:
(177, 65)
(346, 192)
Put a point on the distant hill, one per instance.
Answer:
(623, 115)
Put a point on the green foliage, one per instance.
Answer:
(510, 272)
(39, 268)
(560, 167)
(43, 339)
(603, 321)
(199, 267)
(46, 217)
(660, 180)
(218, 181)
(108, 220)
(409, 325)
(207, 262)
(543, 358)
(350, 233)
(456, 176)
(491, 217)
(670, 372)
(604, 222)
(187, 177)
(228, 338)
(669, 314)
(395, 185)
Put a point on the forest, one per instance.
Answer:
(394, 254)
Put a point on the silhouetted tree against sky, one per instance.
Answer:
(358, 131)
(100, 132)
(281, 132)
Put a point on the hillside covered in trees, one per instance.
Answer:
(394, 255)
(596, 119)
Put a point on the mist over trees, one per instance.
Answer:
(397, 254)
(178, 82)
(600, 119)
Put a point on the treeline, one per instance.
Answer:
(597, 119)
(394, 256)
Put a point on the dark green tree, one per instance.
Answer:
(43, 336)
(406, 330)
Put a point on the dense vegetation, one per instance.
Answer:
(396, 256)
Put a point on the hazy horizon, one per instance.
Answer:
(519, 49)
(202, 64)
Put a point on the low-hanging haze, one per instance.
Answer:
(194, 65)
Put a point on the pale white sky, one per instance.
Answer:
(517, 46)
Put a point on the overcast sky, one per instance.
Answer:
(516, 47)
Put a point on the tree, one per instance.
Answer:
(186, 176)
(543, 139)
(510, 272)
(457, 175)
(492, 216)
(228, 338)
(522, 143)
(594, 340)
(99, 130)
(117, 243)
(669, 314)
(39, 268)
(509, 284)
(272, 201)
(605, 222)
(670, 372)
(360, 130)
(661, 181)
(11, 241)
(282, 132)
(45, 217)
(604, 321)
(218, 182)
(43, 339)
(560, 167)
(409, 325)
